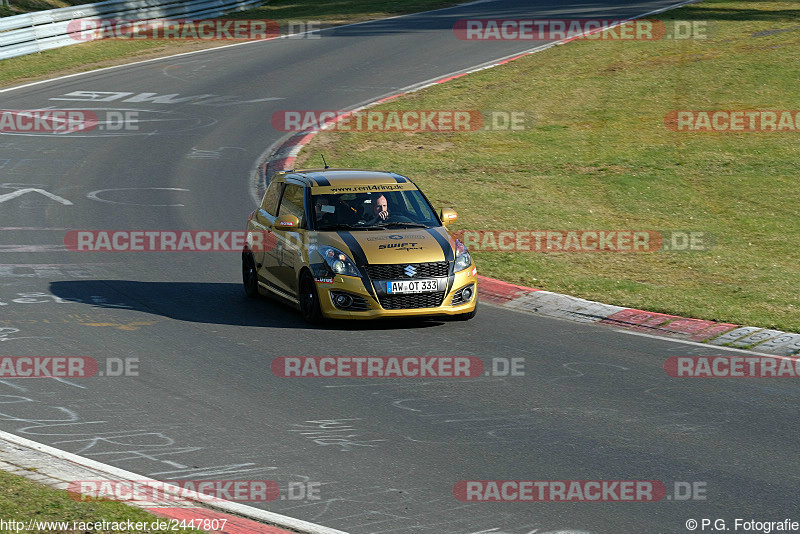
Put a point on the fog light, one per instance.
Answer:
(343, 301)
(466, 294)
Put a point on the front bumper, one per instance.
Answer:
(329, 287)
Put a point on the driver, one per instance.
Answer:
(380, 209)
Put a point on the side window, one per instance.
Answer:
(292, 203)
(273, 194)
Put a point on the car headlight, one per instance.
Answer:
(338, 261)
(463, 259)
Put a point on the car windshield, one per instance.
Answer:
(372, 211)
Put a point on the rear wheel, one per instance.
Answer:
(309, 299)
(249, 276)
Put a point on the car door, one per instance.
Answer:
(288, 247)
(263, 222)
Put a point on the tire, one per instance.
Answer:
(249, 276)
(466, 316)
(309, 299)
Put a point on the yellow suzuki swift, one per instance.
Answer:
(355, 244)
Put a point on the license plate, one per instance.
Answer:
(412, 286)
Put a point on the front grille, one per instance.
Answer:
(397, 271)
(411, 300)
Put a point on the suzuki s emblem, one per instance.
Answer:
(395, 236)
(410, 271)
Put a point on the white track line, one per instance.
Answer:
(227, 506)
(606, 327)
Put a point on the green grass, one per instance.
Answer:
(24, 500)
(600, 157)
(98, 54)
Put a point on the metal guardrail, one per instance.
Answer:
(44, 30)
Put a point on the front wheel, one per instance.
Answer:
(466, 316)
(249, 276)
(309, 299)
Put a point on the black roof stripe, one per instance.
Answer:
(299, 177)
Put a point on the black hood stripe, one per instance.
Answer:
(443, 242)
(359, 257)
(355, 248)
(448, 255)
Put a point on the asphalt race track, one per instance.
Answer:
(594, 404)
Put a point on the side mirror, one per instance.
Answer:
(448, 216)
(287, 222)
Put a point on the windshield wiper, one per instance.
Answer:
(334, 227)
(405, 225)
